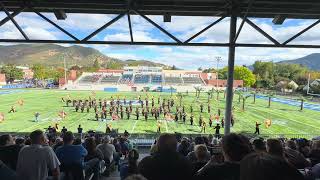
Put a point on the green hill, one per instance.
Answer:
(52, 55)
(310, 61)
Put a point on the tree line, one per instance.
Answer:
(268, 74)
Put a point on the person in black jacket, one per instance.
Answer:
(166, 163)
(265, 166)
(234, 148)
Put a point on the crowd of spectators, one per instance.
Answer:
(232, 157)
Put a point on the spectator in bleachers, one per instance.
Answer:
(20, 141)
(216, 146)
(275, 148)
(192, 156)
(58, 143)
(166, 163)
(9, 151)
(35, 160)
(201, 153)
(315, 153)
(77, 141)
(117, 146)
(108, 150)
(304, 146)
(294, 157)
(27, 141)
(234, 147)
(124, 146)
(131, 167)
(263, 166)
(259, 145)
(183, 147)
(94, 156)
(73, 155)
(6, 140)
(93, 152)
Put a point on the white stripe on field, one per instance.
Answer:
(166, 126)
(134, 126)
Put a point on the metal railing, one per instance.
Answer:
(153, 136)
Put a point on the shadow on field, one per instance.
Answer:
(149, 131)
(192, 130)
(288, 110)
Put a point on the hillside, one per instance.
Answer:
(52, 55)
(311, 61)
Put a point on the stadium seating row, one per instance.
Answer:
(139, 79)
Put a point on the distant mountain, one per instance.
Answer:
(311, 61)
(52, 55)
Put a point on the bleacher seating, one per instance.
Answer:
(173, 80)
(110, 79)
(141, 79)
(90, 78)
(86, 79)
(126, 78)
(105, 169)
(192, 80)
(156, 79)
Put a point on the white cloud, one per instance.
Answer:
(123, 56)
(82, 22)
(37, 33)
(138, 36)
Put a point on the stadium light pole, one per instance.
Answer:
(65, 69)
(218, 59)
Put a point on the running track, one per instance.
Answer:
(315, 107)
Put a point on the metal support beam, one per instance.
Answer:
(103, 27)
(14, 22)
(301, 46)
(243, 20)
(301, 32)
(204, 29)
(6, 19)
(56, 25)
(130, 28)
(231, 57)
(159, 27)
(262, 32)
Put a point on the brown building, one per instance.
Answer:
(223, 83)
(2, 79)
(71, 77)
(27, 73)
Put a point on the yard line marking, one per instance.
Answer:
(40, 122)
(296, 121)
(134, 126)
(198, 128)
(79, 120)
(166, 126)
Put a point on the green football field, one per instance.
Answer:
(286, 119)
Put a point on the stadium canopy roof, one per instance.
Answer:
(279, 10)
(259, 8)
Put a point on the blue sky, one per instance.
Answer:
(81, 25)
